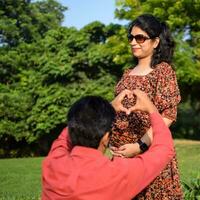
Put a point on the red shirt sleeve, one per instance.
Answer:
(62, 145)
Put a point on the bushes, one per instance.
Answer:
(188, 124)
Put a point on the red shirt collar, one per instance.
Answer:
(86, 152)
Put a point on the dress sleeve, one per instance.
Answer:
(167, 95)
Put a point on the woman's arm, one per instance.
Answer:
(148, 137)
(133, 149)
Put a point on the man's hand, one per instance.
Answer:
(116, 103)
(143, 103)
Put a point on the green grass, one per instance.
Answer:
(20, 179)
(188, 154)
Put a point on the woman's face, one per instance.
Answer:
(141, 45)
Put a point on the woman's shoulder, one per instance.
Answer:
(164, 68)
(127, 71)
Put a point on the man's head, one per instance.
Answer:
(89, 119)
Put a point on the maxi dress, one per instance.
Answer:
(162, 88)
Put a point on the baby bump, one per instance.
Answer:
(129, 128)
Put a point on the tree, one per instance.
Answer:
(50, 74)
(96, 32)
(22, 20)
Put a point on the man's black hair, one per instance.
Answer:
(88, 120)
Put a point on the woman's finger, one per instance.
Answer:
(113, 148)
(117, 154)
(123, 153)
(122, 148)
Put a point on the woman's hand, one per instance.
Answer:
(126, 150)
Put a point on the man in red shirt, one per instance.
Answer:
(76, 167)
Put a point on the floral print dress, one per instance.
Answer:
(161, 86)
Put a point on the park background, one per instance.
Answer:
(46, 65)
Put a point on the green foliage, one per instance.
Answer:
(119, 47)
(25, 21)
(192, 190)
(40, 79)
(187, 124)
(14, 109)
(96, 32)
(177, 13)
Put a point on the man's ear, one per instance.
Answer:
(105, 139)
(104, 143)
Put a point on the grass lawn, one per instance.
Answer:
(188, 154)
(20, 178)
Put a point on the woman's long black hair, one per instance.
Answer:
(154, 28)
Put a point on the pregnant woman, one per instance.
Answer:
(152, 46)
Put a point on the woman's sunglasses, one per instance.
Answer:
(138, 38)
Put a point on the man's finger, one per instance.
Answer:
(124, 110)
(137, 92)
(124, 93)
(133, 108)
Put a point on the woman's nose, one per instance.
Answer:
(133, 42)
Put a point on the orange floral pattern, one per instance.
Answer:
(162, 88)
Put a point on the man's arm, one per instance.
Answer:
(148, 137)
(61, 145)
(145, 167)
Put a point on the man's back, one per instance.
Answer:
(84, 173)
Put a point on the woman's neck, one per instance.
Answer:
(142, 68)
(144, 63)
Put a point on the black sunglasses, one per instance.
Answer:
(138, 38)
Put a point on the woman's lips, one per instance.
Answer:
(135, 49)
